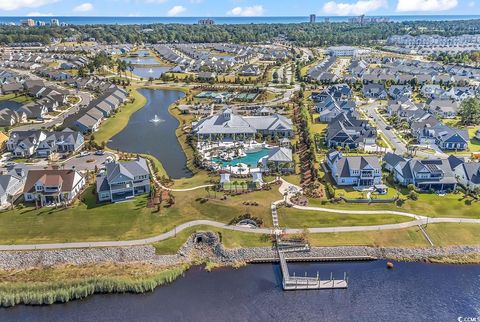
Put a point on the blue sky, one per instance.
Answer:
(216, 8)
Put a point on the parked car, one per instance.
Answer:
(84, 153)
(10, 164)
(388, 128)
(99, 152)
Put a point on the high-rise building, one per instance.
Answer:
(206, 22)
(55, 22)
(28, 23)
(313, 18)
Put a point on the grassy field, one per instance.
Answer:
(290, 217)
(410, 237)
(89, 221)
(23, 99)
(450, 205)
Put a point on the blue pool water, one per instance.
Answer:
(250, 159)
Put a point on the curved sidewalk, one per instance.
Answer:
(216, 224)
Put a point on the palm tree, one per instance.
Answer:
(235, 184)
(207, 189)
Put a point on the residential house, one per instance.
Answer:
(359, 171)
(468, 175)
(51, 187)
(11, 184)
(331, 108)
(374, 90)
(444, 136)
(400, 91)
(426, 175)
(347, 130)
(43, 143)
(249, 70)
(443, 108)
(122, 181)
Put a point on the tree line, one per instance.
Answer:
(304, 34)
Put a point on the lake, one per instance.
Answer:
(410, 292)
(158, 139)
(153, 71)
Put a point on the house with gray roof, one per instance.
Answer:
(280, 158)
(426, 175)
(468, 174)
(358, 171)
(400, 91)
(444, 136)
(374, 90)
(11, 184)
(443, 108)
(123, 180)
(43, 143)
(330, 108)
(347, 130)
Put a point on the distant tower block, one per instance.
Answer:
(313, 18)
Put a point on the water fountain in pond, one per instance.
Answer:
(156, 119)
(150, 71)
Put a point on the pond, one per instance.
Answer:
(250, 159)
(409, 292)
(147, 72)
(143, 135)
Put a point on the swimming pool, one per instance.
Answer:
(250, 159)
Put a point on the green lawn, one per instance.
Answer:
(16, 98)
(295, 218)
(409, 237)
(474, 144)
(89, 221)
(450, 205)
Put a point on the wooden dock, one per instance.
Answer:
(292, 283)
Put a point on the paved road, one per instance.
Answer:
(398, 145)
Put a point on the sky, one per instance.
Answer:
(219, 8)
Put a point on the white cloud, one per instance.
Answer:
(84, 7)
(356, 8)
(176, 10)
(39, 14)
(19, 4)
(247, 11)
(425, 5)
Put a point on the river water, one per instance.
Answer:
(141, 135)
(410, 292)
